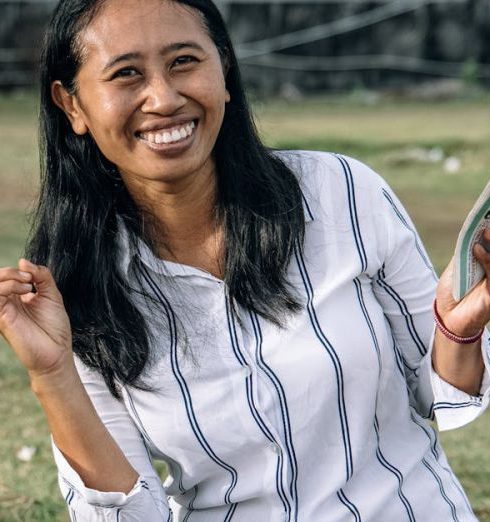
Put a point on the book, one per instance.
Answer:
(467, 270)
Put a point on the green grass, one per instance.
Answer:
(378, 134)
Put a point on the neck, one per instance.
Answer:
(183, 226)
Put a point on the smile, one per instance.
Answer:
(170, 135)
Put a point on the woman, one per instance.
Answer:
(261, 321)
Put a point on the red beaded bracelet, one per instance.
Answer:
(450, 335)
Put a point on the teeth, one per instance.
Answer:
(169, 136)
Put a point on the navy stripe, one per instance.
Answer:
(421, 425)
(185, 390)
(379, 454)
(139, 423)
(147, 440)
(68, 483)
(308, 210)
(433, 441)
(191, 505)
(395, 471)
(230, 512)
(351, 196)
(349, 505)
(449, 405)
(334, 358)
(253, 409)
(401, 359)
(362, 304)
(73, 515)
(68, 495)
(431, 415)
(459, 488)
(169, 519)
(405, 312)
(435, 453)
(293, 488)
(441, 488)
(405, 223)
(398, 357)
(363, 259)
(117, 515)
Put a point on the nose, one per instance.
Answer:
(162, 97)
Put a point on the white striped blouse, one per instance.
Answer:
(325, 420)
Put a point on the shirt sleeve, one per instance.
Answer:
(454, 408)
(405, 286)
(146, 501)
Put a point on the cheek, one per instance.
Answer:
(109, 121)
(209, 91)
(214, 101)
(110, 110)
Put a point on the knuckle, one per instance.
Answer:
(6, 287)
(45, 271)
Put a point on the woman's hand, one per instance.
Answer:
(37, 328)
(467, 317)
(33, 318)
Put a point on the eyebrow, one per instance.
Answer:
(167, 49)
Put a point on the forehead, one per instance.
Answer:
(122, 25)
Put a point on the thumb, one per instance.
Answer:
(42, 280)
(445, 299)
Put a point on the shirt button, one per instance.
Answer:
(246, 371)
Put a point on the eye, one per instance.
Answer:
(184, 60)
(126, 72)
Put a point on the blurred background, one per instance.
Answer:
(402, 85)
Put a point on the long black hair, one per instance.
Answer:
(75, 226)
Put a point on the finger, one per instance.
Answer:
(9, 273)
(485, 239)
(42, 278)
(482, 254)
(8, 288)
(27, 298)
(483, 257)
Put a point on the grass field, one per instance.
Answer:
(391, 136)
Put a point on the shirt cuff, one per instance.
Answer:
(452, 407)
(73, 481)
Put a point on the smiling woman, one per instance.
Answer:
(151, 98)
(259, 320)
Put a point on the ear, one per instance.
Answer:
(227, 96)
(69, 104)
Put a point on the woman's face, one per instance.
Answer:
(150, 91)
